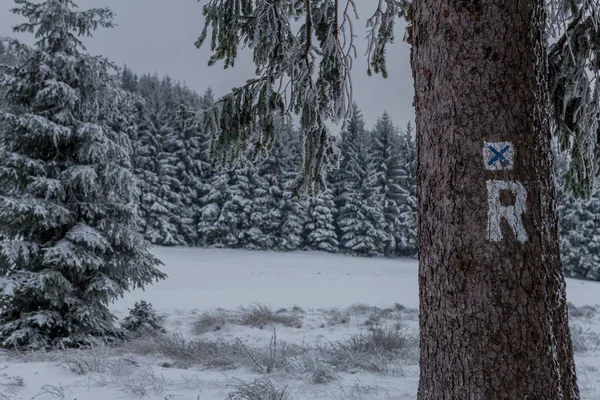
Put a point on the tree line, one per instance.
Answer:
(369, 207)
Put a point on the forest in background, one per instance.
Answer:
(369, 208)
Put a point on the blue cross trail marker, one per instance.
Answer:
(498, 155)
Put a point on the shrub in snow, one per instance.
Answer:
(582, 312)
(184, 353)
(143, 319)
(70, 242)
(260, 315)
(276, 357)
(260, 389)
(377, 351)
(312, 368)
(584, 340)
(210, 322)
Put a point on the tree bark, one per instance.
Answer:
(492, 293)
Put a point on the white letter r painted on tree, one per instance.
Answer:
(513, 214)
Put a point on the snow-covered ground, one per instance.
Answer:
(219, 307)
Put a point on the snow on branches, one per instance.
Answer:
(574, 66)
(303, 52)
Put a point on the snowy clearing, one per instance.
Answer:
(242, 324)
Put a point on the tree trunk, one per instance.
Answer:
(492, 293)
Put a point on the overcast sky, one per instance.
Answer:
(159, 35)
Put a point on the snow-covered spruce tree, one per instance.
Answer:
(249, 199)
(226, 218)
(573, 72)
(3, 52)
(129, 80)
(171, 159)
(211, 228)
(266, 203)
(406, 242)
(259, 221)
(169, 188)
(267, 217)
(473, 83)
(210, 193)
(360, 203)
(193, 168)
(185, 155)
(7, 55)
(388, 160)
(319, 229)
(147, 144)
(67, 194)
(293, 210)
(6, 58)
(160, 205)
(143, 320)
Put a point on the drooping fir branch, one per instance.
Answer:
(302, 70)
(381, 32)
(574, 66)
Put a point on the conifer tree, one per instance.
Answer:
(171, 159)
(3, 51)
(188, 156)
(319, 229)
(235, 215)
(129, 80)
(7, 56)
(406, 242)
(211, 228)
(260, 219)
(160, 203)
(388, 160)
(360, 218)
(293, 210)
(67, 194)
(170, 188)
(147, 144)
(267, 201)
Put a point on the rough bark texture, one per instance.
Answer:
(493, 313)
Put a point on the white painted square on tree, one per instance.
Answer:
(498, 156)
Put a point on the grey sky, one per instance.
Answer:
(159, 35)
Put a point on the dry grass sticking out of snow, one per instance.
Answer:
(356, 353)
(313, 326)
(257, 354)
(259, 389)
(258, 315)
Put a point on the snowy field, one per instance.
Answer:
(242, 324)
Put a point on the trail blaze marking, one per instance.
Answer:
(507, 200)
(498, 155)
(513, 214)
